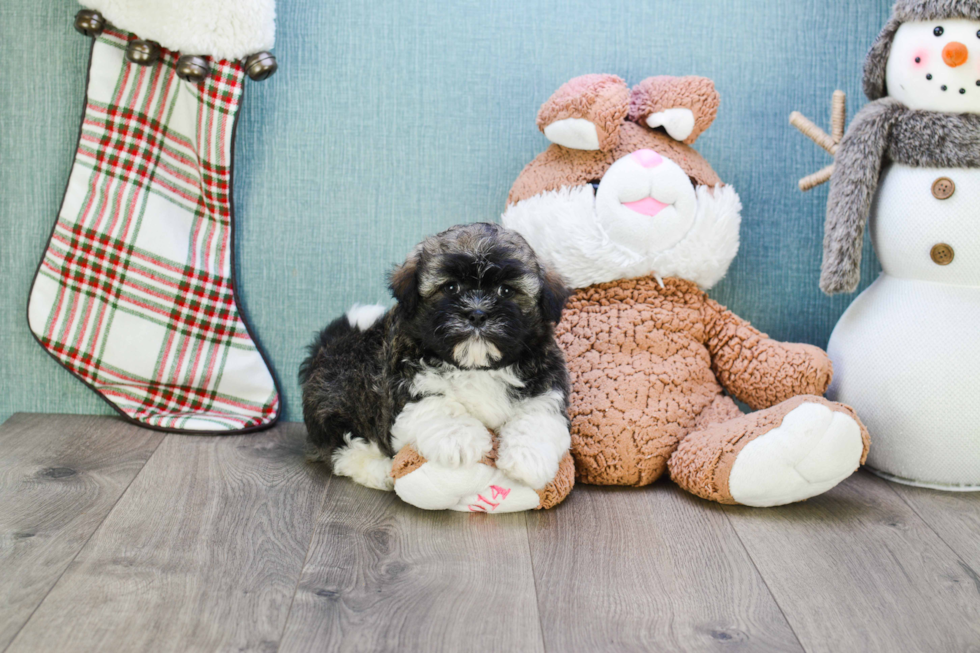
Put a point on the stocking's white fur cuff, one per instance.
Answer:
(223, 29)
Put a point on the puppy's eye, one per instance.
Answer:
(939, 31)
(451, 288)
(505, 292)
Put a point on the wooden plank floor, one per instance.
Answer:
(114, 538)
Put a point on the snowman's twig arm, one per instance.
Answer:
(816, 179)
(857, 167)
(756, 369)
(814, 133)
(829, 142)
(838, 115)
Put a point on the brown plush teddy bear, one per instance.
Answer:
(638, 221)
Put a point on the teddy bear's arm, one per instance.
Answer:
(756, 369)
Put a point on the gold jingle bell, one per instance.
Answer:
(143, 53)
(261, 65)
(193, 68)
(89, 23)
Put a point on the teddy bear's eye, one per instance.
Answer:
(939, 31)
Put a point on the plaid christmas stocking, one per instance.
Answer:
(135, 294)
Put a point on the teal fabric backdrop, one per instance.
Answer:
(389, 120)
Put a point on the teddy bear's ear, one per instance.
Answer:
(586, 113)
(684, 106)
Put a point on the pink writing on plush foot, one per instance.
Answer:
(499, 492)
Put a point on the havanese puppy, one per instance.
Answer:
(467, 349)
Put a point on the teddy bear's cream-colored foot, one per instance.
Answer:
(814, 449)
(795, 450)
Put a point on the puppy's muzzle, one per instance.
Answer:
(476, 318)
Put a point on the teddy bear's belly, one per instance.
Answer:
(641, 376)
(631, 407)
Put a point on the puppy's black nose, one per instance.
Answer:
(476, 318)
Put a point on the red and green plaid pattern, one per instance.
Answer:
(135, 294)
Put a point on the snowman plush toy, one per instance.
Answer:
(906, 353)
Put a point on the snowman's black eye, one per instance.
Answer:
(978, 33)
(939, 31)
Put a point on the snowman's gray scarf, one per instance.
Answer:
(885, 130)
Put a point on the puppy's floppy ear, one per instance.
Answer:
(554, 294)
(404, 284)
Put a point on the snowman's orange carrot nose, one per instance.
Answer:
(955, 54)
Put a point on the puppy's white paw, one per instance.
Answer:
(461, 445)
(534, 466)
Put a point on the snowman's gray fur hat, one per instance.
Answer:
(906, 11)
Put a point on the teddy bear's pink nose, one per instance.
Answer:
(648, 158)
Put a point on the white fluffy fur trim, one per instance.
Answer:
(364, 463)
(562, 228)
(706, 252)
(223, 29)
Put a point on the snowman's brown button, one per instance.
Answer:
(942, 254)
(943, 188)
